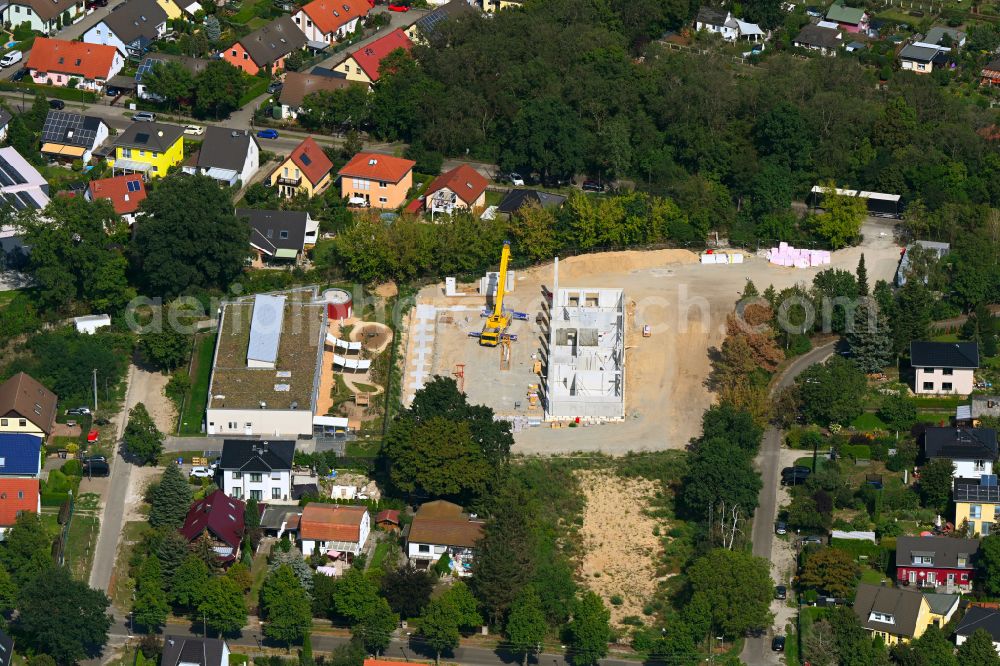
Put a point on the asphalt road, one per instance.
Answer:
(757, 651)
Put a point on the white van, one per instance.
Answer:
(10, 58)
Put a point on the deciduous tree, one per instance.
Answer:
(720, 472)
(218, 89)
(831, 571)
(165, 350)
(142, 439)
(832, 392)
(63, 617)
(589, 630)
(222, 606)
(150, 606)
(375, 626)
(187, 588)
(286, 606)
(407, 590)
(736, 586)
(935, 483)
(978, 650)
(526, 624)
(26, 549)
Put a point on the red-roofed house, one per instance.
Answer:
(17, 496)
(363, 64)
(461, 188)
(124, 192)
(329, 21)
(379, 181)
(334, 527)
(307, 169)
(55, 62)
(222, 516)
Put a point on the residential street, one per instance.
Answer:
(757, 651)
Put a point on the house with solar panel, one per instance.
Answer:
(22, 187)
(228, 155)
(131, 28)
(424, 30)
(68, 136)
(148, 148)
(194, 651)
(20, 455)
(124, 192)
(306, 170)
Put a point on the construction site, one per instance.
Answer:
(609, 353)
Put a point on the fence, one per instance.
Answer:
(60, 545)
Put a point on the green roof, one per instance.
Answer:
(842, 14)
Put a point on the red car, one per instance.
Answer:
(398, 8)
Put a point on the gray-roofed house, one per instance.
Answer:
(895, 615)
(22, 187)
(131, 28)
(943, 607)
(425, 28)
(943, 36)
(297, 85)
(922, 58)
(938, 562)
(228, 155)
(5, 118)
(825, 41)
(944, 367)
(514, 200)
(71, 136)
(980, 406)
(972, 450)
(45, 16)
(148, 148)
(717, 21)
(279, 235)
(194, 66)
(257, 469)
(266, 46)
(976, 618)
(192, 651)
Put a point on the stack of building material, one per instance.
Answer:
(722, 258)
(786, 255)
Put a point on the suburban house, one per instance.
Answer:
(71, 136)
(442, 528)
(22, 187)
(124, 192)
(490, 6)
(334, 527)
(257, 469)
(895, 615)
(44, 16)
(816, 38)
(307, 169)
(20, 454)
(936, 562)
(193, 65)
(297, 85)
(364, 64)
(979, 617)
(222, 518)
(193, 651)
(148, 148)
(5, 118)
(462, 188)
(943, 607)
(267, 46)
(229, 156)
(724, 24)
(131, 28)
(379, 181)
(971, 450)
(17, 496)
(850, 19)
(279, 235)
(516, 199)
(990, 74)
(266, 383)
(944, 367)
(952, 38)
(922, 58)
(326, 22)
(425, 29)
(55, 62)
(26, 406)
(171, 8)
(977, 505)
(937, 249)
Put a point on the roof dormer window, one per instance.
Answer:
(887, 618)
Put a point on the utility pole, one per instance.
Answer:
(95, 390)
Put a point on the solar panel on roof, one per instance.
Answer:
(133, 186)
(142, 137)
(69, 128)
(9, 175)
(306, 159)
(988, 480)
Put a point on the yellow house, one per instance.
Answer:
(977, 507)
(893, 614)
(364, 64)
(170, 7)
(307, 170)
(148, 148)
(26, 406)
(490, 6)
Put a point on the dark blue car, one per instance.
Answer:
(267, 134)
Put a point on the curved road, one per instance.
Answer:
(757, 651)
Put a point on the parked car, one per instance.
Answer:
(11, 57)
(516, 179)
(79, 411)
(780, 592)
(275, 87)
(794, 479)
(111, 91)
(201, 473)
(812, 538)
(93, 459)
(778, 643)
(144, 116)
(780, 527)
(267, 134)
(57, 104)
(194, 130)
(592, 186)
(798, 469)
(18, 75)
(395, 7)
(91, 4)
(96, 468)
(101, 421)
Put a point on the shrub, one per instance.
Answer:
(72, 468)
(616, 600)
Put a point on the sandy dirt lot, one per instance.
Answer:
(147, 387)
(684, 302)
(620, 549)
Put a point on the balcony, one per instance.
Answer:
(290, 182)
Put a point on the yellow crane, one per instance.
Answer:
(497, 323)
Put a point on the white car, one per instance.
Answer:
(201, 473)
(194, 130)
(516, 179)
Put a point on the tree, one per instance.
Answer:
(355, 594)
(294, 560)
(978, 650)
(589, 630)
(252, 524)
(8, 592)
(862, 275)
(720, 472)
(832, 392)
(897, 411)
(25, 549)
(200, 244)
(218, 89)
(831, 571)
(286, 606)
(407, 590)
(150, 606)
(222, 606)
(166, 349)
(868, 336)
(754, 324)
(213, 30)
(171, 80)
(543, 139)
(934, 648)
(736, 586)
(804, 514)
(374, 628)
(142, 439)
(439, 626)
(63, 617)
(988, 564)
(171, 551)
(189, 583)
(526, 624)
(170, 500)
(935, 483)
(724, 420)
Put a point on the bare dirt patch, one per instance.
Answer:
(387, 290)
(620, 549)
(148, 388)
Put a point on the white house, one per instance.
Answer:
(257, 469)
(45, 16)
(71, 136)
(717, 21)
(326, 22)
(972, 450)
(131, 28)
(89, 324)
(979, 617)
(944, 367)
(441, 528)
(339, 528)
(228, 155)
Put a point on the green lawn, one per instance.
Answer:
(363, 448)
(197, 398)
(248, 11)
(80, 543)
(873, 577)
(381, 550)
(807, 461)
(868, 421)
(933, 417)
